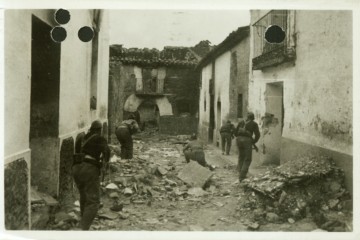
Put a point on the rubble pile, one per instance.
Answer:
(306, 187)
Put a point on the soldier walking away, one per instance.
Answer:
(124, 134)
(194, 151)
(89, 148)
(227, 134)
(244, 132)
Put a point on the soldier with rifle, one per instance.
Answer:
(86, 171)
(245, 141)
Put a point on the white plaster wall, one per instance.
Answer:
(204, 116)
(139, 80)
(222, 86)
(17, 60)
(103, 68)
(75, 75)
(164, 106)
(17, 81)
(318, 88)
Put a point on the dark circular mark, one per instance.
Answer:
(62, 16)
(274, 34)
(58, 34)
(86, 34)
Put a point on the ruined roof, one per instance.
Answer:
(230, 41)
(169, 56)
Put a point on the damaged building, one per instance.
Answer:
(300, 85)
(159, 87)
(224, 85)
(53, 91)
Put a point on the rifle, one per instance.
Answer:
(104, 169)
(255, 147)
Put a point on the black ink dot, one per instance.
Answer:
(86, 34)
(58, 34)
(62, 16)
(274, 34)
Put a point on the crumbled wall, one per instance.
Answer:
(179, 83)
(65, 175)
(16, 192)
(178, 125)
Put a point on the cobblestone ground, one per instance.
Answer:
(155, 199)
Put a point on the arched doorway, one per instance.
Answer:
(149, 114)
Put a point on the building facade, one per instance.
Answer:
(224, 85)
(53, 91)
(159, 87)
(300, 86)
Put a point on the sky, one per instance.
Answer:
(159, 28)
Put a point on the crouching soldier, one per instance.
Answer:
(124, 134)
(86, 171)
(194, 151)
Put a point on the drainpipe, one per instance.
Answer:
(97, 19)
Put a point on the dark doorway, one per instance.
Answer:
(273, 122)
(218, 122)
(149, 114)
(44, 113)
(212, 119)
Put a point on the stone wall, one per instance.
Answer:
(175, 125)
(179, 95)
(16, 195)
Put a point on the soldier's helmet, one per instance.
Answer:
(131, 116)
(96, 125)
(251, 115)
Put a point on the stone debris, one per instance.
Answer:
(195, 175)
(77, 203)
(128, 191)
(197, 192)
(114, 195)
(112, 186)
(108, 215)
(218, 204)
(196, 228)
(308, 186)
(290, 220)
(162, 171)
(272, 217)
(253, 226)
(65, 217)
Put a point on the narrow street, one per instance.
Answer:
(155, 199)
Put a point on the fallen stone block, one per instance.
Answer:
(170, 182)
(112, 186)
(162, 171)
(195, 175)
(253, 226)
(272, 217)
(114, 195)
(128, 191)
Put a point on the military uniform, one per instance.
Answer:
(86, 174)
(227, 133)
(124, 134)
(244, 140)
(194, 151)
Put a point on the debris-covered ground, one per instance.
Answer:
(158, 191)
